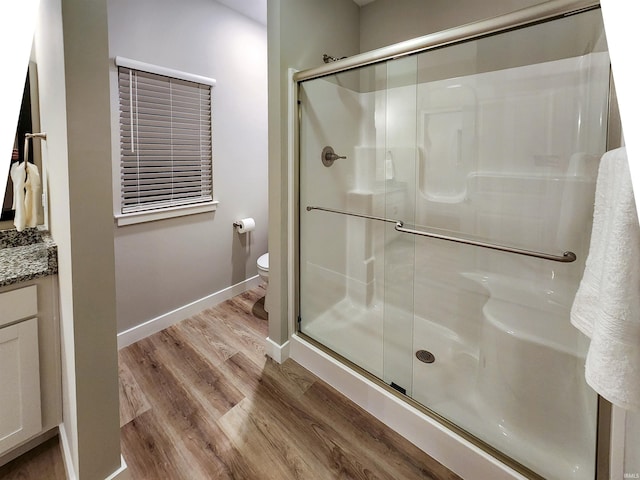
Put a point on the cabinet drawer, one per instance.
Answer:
(18, 304)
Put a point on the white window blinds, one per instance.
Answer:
(165, 141)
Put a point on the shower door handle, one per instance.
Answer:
(566, 257)
(329, 156)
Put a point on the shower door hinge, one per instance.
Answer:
(299, 323)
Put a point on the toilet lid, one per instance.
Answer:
(263, 261)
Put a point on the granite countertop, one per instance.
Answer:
(26, 255)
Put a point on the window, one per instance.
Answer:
(166, 159)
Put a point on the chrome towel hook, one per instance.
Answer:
(329, 156)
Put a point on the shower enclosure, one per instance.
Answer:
(443, 253)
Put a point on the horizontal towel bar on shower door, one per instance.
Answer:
(566, 257)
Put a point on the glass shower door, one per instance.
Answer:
(341, 269)
(510, 130)
(495, 141)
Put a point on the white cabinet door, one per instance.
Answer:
(20, 414)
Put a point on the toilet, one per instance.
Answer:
(263, 271)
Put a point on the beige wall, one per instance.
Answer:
(73, 63)
(299, 33)
(74, 106)
(632, 444)
(167, 264)
(50, 59)
(385, 22)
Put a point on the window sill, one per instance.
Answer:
(123, 220)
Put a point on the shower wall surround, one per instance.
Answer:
(495, 140)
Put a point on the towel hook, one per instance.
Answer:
(41, 135)
(27, 136)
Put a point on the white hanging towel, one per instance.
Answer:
(27, 188)
(33, 189)
(606, 307)
(18, 174)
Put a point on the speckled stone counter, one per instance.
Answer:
(26, 255)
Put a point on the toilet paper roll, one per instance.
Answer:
(245, 225)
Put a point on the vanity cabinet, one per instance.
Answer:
(20, 412)
(30, 386)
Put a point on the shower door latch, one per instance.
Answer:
(329, 156)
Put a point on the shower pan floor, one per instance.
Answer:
(448, 387)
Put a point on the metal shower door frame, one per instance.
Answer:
(544, 12)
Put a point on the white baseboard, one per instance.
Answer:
(277, 352)
(69, 467)
(448, 448)
(121, 473)
(171, 318)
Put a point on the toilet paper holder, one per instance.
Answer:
(245, 225)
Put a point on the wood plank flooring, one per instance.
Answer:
(200, 400)
(43, 462)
